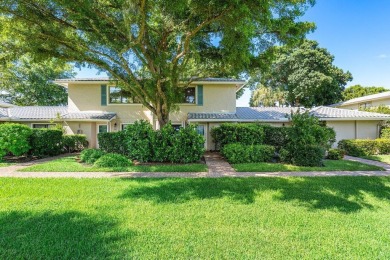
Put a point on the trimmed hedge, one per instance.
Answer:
(276, 136)
(311, 155)
(112, 160)
(187, 145)
(113, 142)
(46, 142)
(139, 141)
(74, 143)
(230, 133)
(365, 147)
(385, 133)
(335, 154)
(239, 153)
(14, 139)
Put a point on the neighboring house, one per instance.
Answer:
(97, 105)
(374, 100)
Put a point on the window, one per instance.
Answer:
(189, 95)
(200, 129)
(43, 125)
(123, 126)
(120, 96)
(177, 127)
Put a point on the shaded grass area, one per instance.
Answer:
(255, 218)
(330, 165)
(69, 164)
(381, 158)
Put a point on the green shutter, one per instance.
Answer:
(103, 92)
(200, 95)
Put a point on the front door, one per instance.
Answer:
(100, 129)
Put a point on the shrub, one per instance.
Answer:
(74, 143)
(359, 147)
(187, 145)
(112, 160)
(229, 133)
(383, 146)
(113, 142)
(14, 138)
(335, 154)
(307, 135)
(91, 155)
(311, 155)
(276, 136)
(138, 139)
(239, 153)
(46, 142)
(163, 143)
(385, 133)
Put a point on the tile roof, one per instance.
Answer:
(3, 112)
(282, 114)
(108, 79)
(52, 112)
(363, 99)
(330, 112)
(221, 116)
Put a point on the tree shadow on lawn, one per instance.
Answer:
(70, 235)
(343, 194)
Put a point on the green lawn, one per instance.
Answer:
(329, 166)
(4, 164)
(69, 164)
(225, 218)
(382, 158)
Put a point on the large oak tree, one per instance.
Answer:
(154, 47)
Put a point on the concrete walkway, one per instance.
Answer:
(218, 167)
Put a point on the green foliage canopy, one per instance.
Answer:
(307, 74)
(360, 91)
(25, 82)
(151, 46)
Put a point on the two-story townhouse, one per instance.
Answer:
(368, 101)
(97, 105)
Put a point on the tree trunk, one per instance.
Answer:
(162, 119)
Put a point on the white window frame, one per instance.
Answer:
(124, 124)
(97, 132)
(196, 98)
(118, 104)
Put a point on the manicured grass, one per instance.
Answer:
(4, 164)
(381, 158)
(330, 165)
(69, 164)
(225, 218)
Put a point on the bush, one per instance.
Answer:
(335, 154)
(46, 142)
(163, 143)
(383, 146)
(229, 133)
(113, 142)
(74, 143)
(187, 145)
(359, 147)
(239, 153)
(14, 138)
(139, 138)
(276, 136)
(91, 155)
(112, 160)
(385, 133)
(311, 155)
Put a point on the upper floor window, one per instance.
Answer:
(120, 96)
(189, 95)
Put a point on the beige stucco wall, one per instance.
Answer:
(354, 129)
(87, 97)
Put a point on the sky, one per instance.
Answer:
(356, 32)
